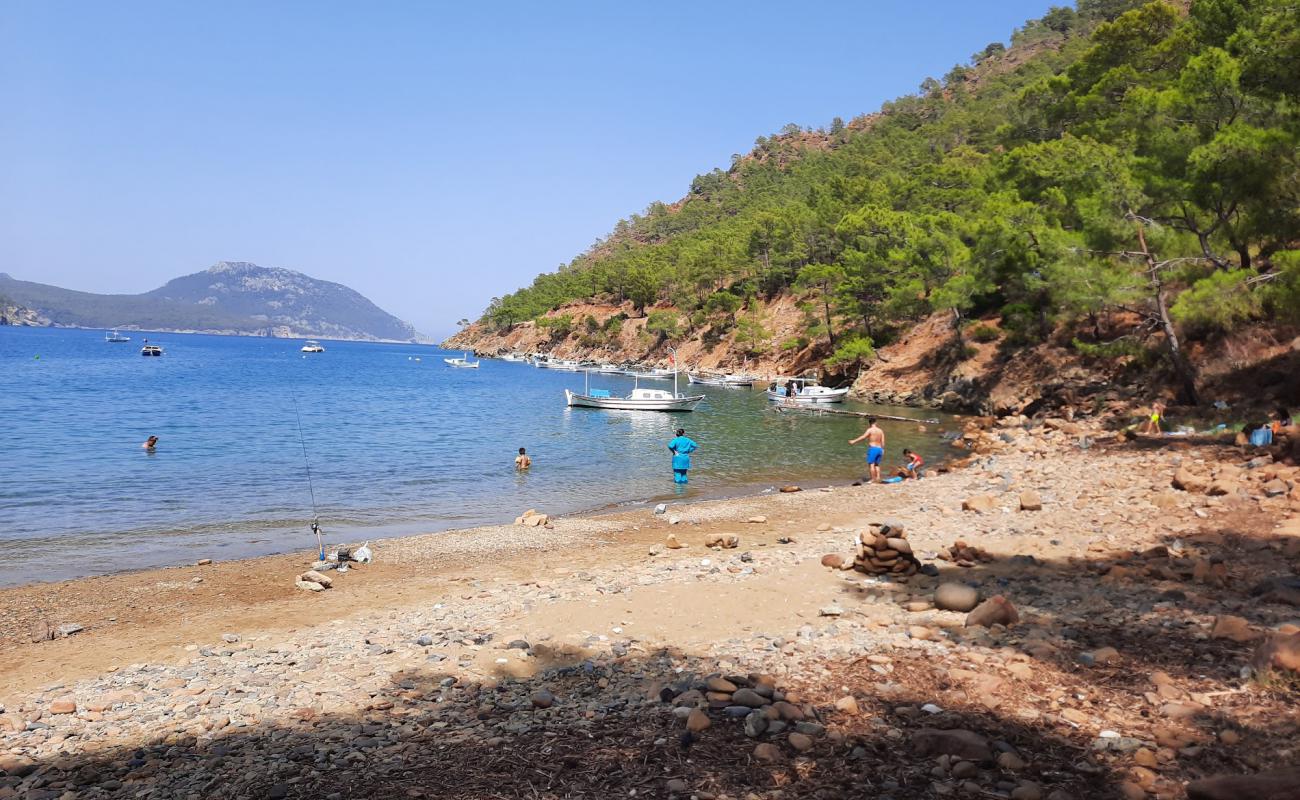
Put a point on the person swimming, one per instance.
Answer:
(150, 444)
(522, 461)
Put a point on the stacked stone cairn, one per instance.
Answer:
(883, 549)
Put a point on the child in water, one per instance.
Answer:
(522, 461)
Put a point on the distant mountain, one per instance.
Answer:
(233, 297)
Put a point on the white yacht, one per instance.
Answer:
(312, 346)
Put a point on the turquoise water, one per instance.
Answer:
(396, 446)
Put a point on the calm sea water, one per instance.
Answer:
(396, 446)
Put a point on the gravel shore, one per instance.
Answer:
(592, 659)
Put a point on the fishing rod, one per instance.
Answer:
(315, 515)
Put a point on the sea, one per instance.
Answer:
(255, 438)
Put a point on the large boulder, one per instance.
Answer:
(1188, 481)
(1277, 653)
(956, 597)
(1233, 628)
(997, 610)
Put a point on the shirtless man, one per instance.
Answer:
(875, 438)
(522, 461)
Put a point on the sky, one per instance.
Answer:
(429, 155)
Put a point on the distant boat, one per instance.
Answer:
(734, 381)
(151, 350)
(652, 374)
(557, 363)
(463, 362)
(514, 357)
(312, 346)
(806, 391)
(116, 337)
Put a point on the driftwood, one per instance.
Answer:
(783, 407)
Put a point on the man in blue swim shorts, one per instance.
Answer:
(875, 439)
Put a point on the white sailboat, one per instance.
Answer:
(638, 400)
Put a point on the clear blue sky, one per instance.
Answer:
(429, 155)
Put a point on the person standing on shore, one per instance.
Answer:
(875, 439)
(1157, 416)
(681, 447)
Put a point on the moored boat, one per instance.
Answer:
(116, 337)
(806, 391)
(638, 400)
(312, 346)
(734, 381)
(151, 350)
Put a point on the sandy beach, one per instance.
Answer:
(566, 661)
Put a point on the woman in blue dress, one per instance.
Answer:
(681, 448)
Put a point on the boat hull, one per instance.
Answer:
(576, 400)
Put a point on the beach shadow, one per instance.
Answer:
(608, 729)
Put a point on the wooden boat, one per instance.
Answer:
(637, 400)
(116, 337)
(806, 391)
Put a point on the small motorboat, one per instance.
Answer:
(806, 391)
(151, 350)
(734, 381)
(312, 347)
(557, 363)
(463, 362)
(514, 357)
(116, 337)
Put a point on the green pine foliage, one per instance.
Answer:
(1135, 156)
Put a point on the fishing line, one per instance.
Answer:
(315, 515)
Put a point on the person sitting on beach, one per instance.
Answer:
(912, 466)
(150, 443)
(522, 461)
(875, 438)
(1152, 427)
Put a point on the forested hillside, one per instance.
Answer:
(1122, 180)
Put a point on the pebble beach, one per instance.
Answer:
(618, 656)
